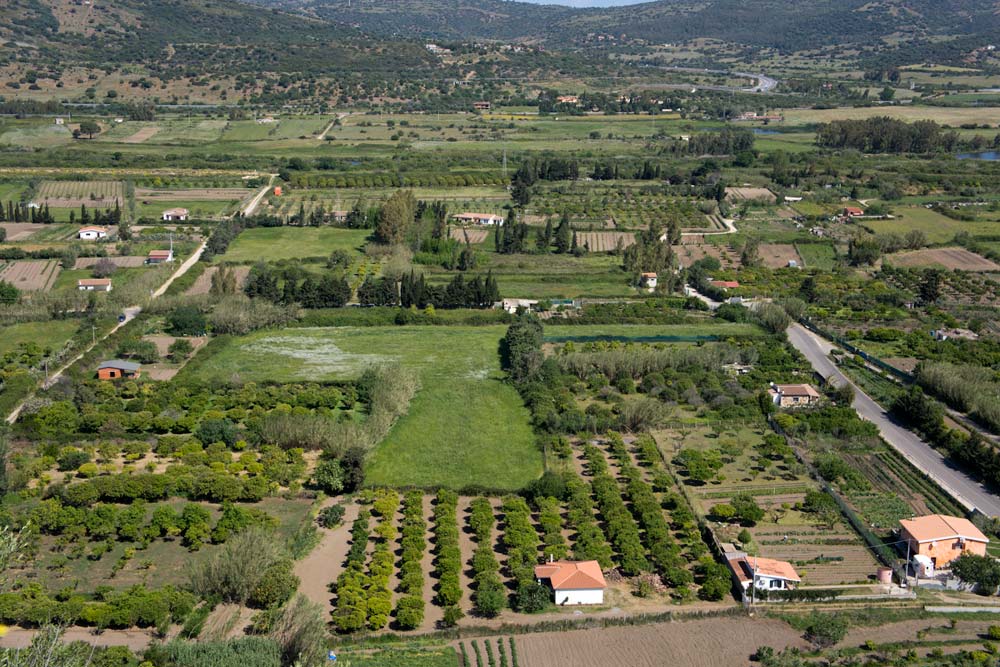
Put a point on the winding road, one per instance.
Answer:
(965, 489)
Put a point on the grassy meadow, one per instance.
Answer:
(276, 243)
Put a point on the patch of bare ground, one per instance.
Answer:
(142, 135)
(325, 563)
(20, 231)
(933, 629)
(467, 546)
(714, 642)
(779, 255)
(474, 236)
(136, 640)
(121, 261)
(949, 258)
(204, 282)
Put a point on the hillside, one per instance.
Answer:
(782, 24)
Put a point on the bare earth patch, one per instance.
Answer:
(716, 642)
(20, 231)
(194, 194)
(122, 262)
(778, 255)
(605, 241)
(750, 194)
(31, 276)
(473, 236)
(204, 282)
(949, 258)
(142, 135)
(324, 563)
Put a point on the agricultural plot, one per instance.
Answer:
(141, 135)
(469, 235)
(779, 255)
(821, 256)
(71, 194)
(277, 243)
(21, 231)
(31, 135)
(464, 426)
(605, 241)
(949, 258)
(943, 115)
(197, 208)
(751, 194)
(203, 284)
(938, 228)
(626, 209)
(191, 194)
(52, 335)
(31, 276)
(122, 262)
(693, 248)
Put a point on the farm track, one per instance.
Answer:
(467, 547)
(432, 612)
(323, 565)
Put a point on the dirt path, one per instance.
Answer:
(136, 640)
(324, 563)
(432, 612)
(467, 546)
(251, 206)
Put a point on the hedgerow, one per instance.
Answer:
(448, 562)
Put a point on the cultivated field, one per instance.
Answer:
(717, 642)
(469, 235)
(464, 426)
(938, 228)
(70, 194)
(778, 255)
(21, 231)
(141, 135)
(31, 276)
(949, 258)
(605, 241)
(943, 115)
(203, 284)
(122, 262)
(191, 194)
(751, 194)
(275, 243)
(693, 248)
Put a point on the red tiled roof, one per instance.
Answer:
(566, 575)
(935, 527)
(725, 283)
(93, 282)
(797, 390)
(744, 566)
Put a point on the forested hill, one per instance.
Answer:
(785, 24)
(210, 35)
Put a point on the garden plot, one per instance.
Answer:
(122, 262)
(31, 276)
(142, 135)
(693, 248)
(192, 194)
(71, 194)
(605, 241)
(949, 258)
(21, 231)
(821, 556)
(751, 194)
(779, 255)
(473, 236)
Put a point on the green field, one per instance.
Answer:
(392, 657)
(274, 243)
(198, 208)
(51, 334)
(937, 227)
(465, 425)
(817, 255)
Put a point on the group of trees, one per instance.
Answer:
(652, 252)
(459, 293)
(252, 568)
(886, 135)
(727, 141)
(448, 555)
(490, 597)
(287, 286)
(410, 606)
(22, 212)
(109, 216)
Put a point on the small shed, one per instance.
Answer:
(175, 215)
(116, 368)
(94, 284)
(574, 582)
(159, 256)
(92, 233)
(648, 280)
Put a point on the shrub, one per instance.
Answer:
(825, 630)
(532, 597)
(275, 587)
(87, 470)
(187, 321)
(329, 476)
(330, 517)
(180, 349)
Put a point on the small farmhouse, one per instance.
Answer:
(278, 191)
(793, 395)
(573, 582)
(339, 216)
(940, 539)
(648, 280)
(159, 256)
(482, 105)
(478, 218)
(175, 215)
(514, 305)
(92, 233)
(853, 212)
(761, 573)
(725, 284)
(116, 368)
(94, 284)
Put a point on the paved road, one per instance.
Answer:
(966, 490)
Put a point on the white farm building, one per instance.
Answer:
(573, 583)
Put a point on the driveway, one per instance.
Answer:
(963, 488)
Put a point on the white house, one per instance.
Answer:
(648, 280)
(762, 573)
(513, 305)
(175, 215)
(92, 233)
(793, 395)
(573, 582)
(160, 256)
(479, 218)
(94, 284)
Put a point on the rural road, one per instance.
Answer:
(130, 313)
(252, 205)
(963, 488)
(765, 84)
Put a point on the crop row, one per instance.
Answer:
(490, 597)
(590, 542)
(551, 522)
(448, 563)
(351, 611)
(410, 607)
(621, 527)
(520, 539)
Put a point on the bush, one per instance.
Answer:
(329, 476)
(330, 517)
(275, 587)
(532, 598)
(826, 630)
(72, 458)
(88, 470)
(187, 321)
(180, 349)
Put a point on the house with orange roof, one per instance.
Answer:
(725, 284)
(478, 218)
(941, 539)
(92, 233)
(649, 280)
(94, 284)
(573, 582)
(793, 395)
(762, 573)
(853, 212)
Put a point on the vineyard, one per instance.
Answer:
(605, 241)
(70, 194)
(630, 210)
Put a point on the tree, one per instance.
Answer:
(982, 571)
(104, 268)
(490, 599)
(532, 597)
(187, 321)
(395, 217)
(329, 476)
(750, 257)
(825, 630)
(564, 234)
(746, 508)
(521, 348)
(90, 128)
(930, 286)
(180, 349)
(8, 293)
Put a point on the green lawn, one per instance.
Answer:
(274, 243)
(52, 334)
(937, 227)
(817, 255)
(465, 425)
